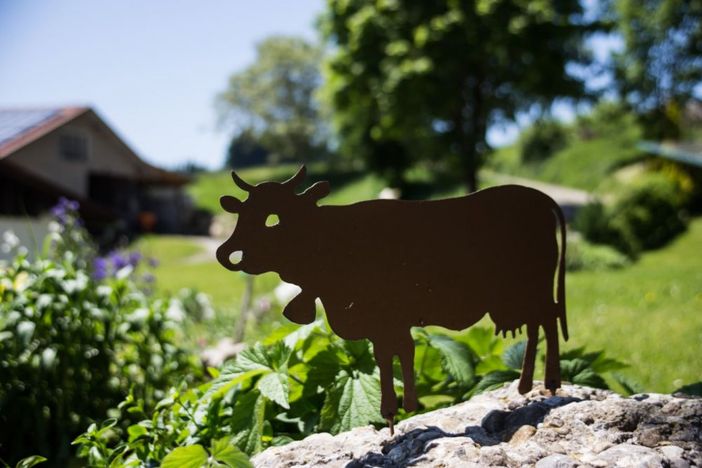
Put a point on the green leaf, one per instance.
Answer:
(489, 364)
(192, 456)
(514, 355)
(274, 386)
(481, 340)
(30, 461)
(323, 369)
(228, 379)
(135, 431)
(496, 379)
(631, 386)
(352, 402)
(589, 378)
(691, 389)
(456, 357)
(247, 422)
(228, 454)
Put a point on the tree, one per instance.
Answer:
(431, 77)
(245, 151)
(272, 101)
(661, 63)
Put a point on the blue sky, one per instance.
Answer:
(151, 68)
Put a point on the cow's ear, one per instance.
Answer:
(230, 204)
(317, 191)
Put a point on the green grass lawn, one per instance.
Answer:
(648, 315)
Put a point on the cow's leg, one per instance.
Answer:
(388, 402)
(406, 354)
(553, 365)
(526, 380)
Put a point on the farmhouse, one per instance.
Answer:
(71, 152)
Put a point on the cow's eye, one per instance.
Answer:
(272, 220)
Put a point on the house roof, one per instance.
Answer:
(686, 153)
(21, 126)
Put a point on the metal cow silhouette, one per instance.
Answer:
(380, 267)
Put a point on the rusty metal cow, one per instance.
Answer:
(380, 267)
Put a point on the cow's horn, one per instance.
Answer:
(297, 179)
(241, 183)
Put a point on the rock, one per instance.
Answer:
(580, 426)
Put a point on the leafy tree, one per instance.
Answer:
(661, 63)
(273, 99)
(245, 150)
(429, 78)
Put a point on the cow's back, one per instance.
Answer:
(431, 261)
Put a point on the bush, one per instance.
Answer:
(301, 380)
(646, 215)
(541, 140)
(72, 346)
(583, 256)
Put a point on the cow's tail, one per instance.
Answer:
(560, 282)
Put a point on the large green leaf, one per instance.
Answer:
(514, 355)
(228, 378)
(353, 401)
(481, 340)
(224, 452)
(192, 456)
(261, 357)
(495, 379)
(247, 422)
(274, 386)
(456, 357)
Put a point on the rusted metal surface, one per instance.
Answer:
(380, 267)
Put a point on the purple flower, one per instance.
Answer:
(117, 260)
(63, 209)
(153, 262)
(99, 268)
(134, 258)
(148, 278)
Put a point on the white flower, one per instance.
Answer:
(104, 290)
(124, 272)
(54, 226)
(9, 241)
(44, 300)
(48, 356)
(139, 315)
(175, 311)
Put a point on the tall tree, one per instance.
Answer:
(661, 63)
(427, 78)
(273, 100)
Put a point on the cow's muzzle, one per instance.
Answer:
(224, 257)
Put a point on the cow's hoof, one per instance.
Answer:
(524, 387)
(552, 386)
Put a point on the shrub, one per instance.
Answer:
(646, 215)
(299, 381)
(72, 346)
(541, 140)
(582, 255)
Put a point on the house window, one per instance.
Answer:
(73, 147)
